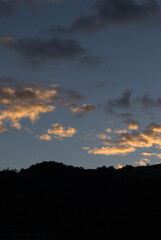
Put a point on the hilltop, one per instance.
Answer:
(67, 200)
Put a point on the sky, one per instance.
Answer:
(80, 82)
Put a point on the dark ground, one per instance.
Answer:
(56, 201)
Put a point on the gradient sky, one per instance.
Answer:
(80, 82)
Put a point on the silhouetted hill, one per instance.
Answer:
(73, 202)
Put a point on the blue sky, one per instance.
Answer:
(80, 82)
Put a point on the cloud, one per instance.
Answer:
(118, 131)
(130, 139)
(45, 137)
(74, 95)
(28, 1)
(5, 39)
(85, 148)
(103, 136)
(114, 13)
(147, 101)
(59, 131)
(38, 51)
(29, 110)
(20, 102)
(8, 7)
(122, 102)
(115, 150)
(152, 137)
(119, 166)
(156, 127)
(2, 128)
(81, 110)
(10, 96)
(158, 155)
(132, 124)
(108, 130)
(128, 142)
(126, 102)
(142, 162)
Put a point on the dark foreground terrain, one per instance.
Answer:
(54, 201)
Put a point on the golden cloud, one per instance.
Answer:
(9, 96)
(78, 110)
(18, 112)
(142, 162)
(103, 136)
(44, 137)
(158, 155)
(129, 141)
(108, 130)
(60, 132)
(133, 126)
(118, 131)
(155, 127)
(115, 150)
(119, 166)
(85, 148)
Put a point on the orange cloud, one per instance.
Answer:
(108, 130)
(18, 112)
(132, 126)
(142, 162)
(119, 166)
(44, 137)
(85, 148)
(78, 110)
(158, 155)
(103, 136)
(9, 96)
(152, 137)
(128, 142)
(118, 131)
(59, 131)
(115, 150)
(155, 127)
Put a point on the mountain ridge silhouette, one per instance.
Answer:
(70, 201)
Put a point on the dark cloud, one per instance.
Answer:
(122, 102)
(37, 51)
(114, 12)
(6, 9)
(125, 115)
(147, 102)
(74, 95)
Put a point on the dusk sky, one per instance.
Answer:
(80, 82)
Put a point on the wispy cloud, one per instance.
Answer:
(122, 102)
(126, 102)
(38, 51)
(106, 13)
(8, 7)
(158, 155)
(80, 110)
